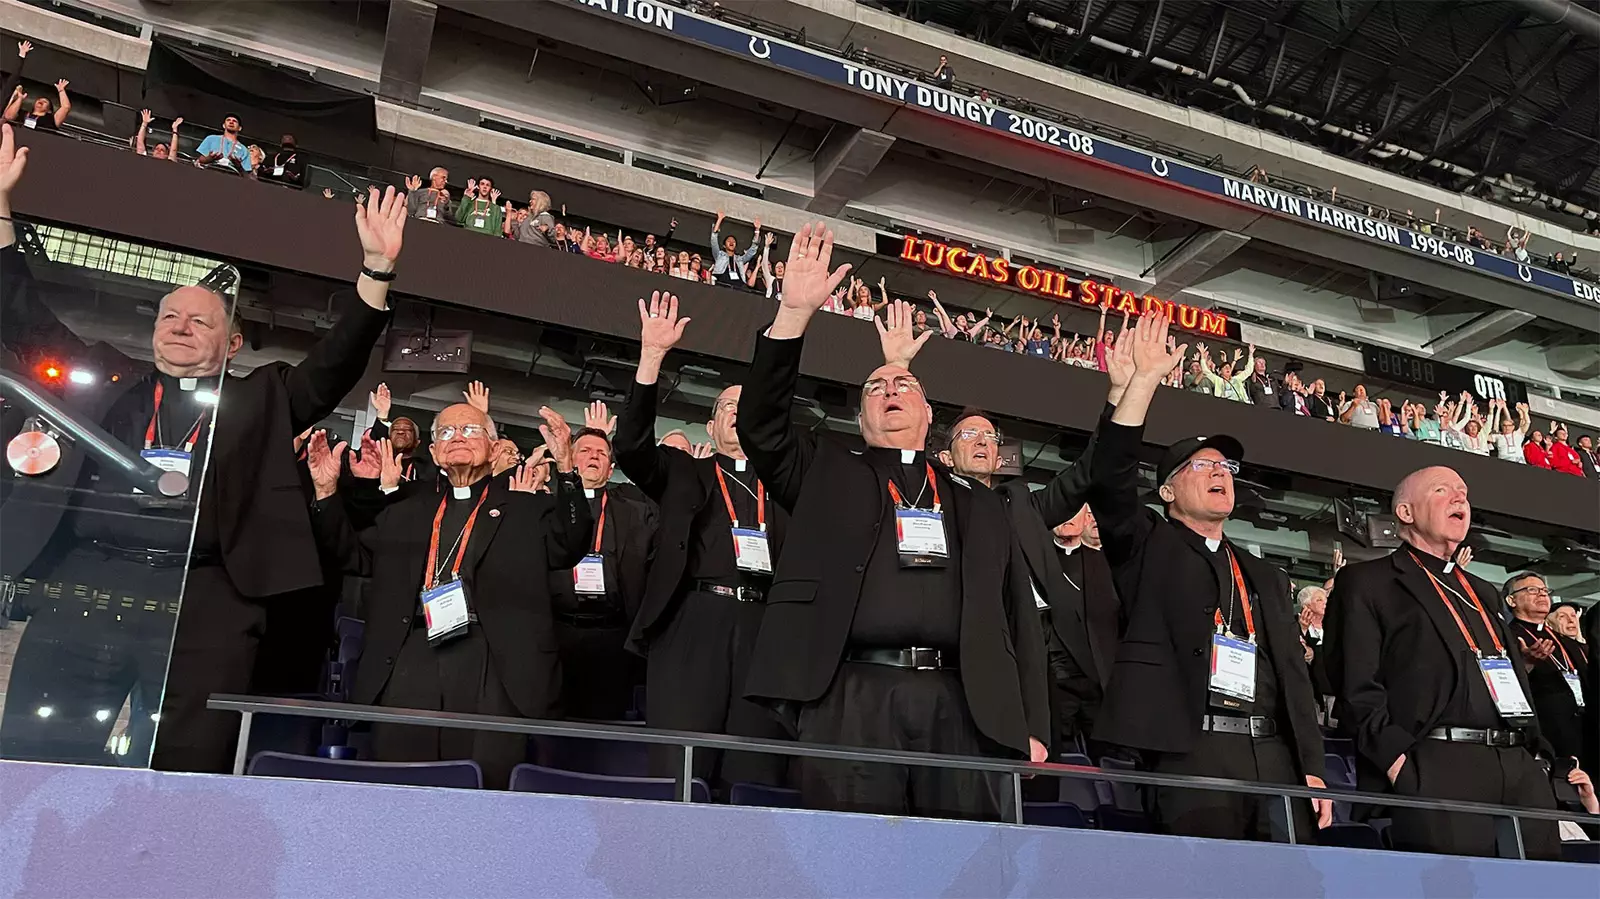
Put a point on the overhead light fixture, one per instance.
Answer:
(81, 377)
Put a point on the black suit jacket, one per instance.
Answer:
(838, 501)
(517, 540)
(1591, 466)
(260, 509)
(1158, 689)
(683, 488)
(1393, 661)
(1290, 400)
(630, 522)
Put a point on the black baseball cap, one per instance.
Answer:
(1184, 450)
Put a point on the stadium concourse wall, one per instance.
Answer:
(115, 192)
(80, 831)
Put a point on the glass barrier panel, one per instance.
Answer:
(109, 388)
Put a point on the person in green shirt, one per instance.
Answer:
(479, 210)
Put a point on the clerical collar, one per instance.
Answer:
(470, 491)
(729, 463)
(460, 492)
(1213, 543)
(1531, 625)
(1430, 561)
(591, 492)
(892, 454)
(1069, 550)
(187, 385)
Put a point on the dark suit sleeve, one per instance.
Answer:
(1286, 400)
(781, 452)
(1354, 644)
(638, 455)
(29, 323)
(571, 527)
(1033, 660)
(334, 365)
(338, 538)
(1114, 491)
(1068, 491)
(379, 429)
(1299, 697)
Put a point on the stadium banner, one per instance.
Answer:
(826, 67)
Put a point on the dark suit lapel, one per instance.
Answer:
(1416, 582)
(487, 525)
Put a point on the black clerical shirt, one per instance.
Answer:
(900, 607)
(711, 543)
(1470, 704)
(563, 592)
(1218, 595)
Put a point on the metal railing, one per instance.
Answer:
(1507, 818)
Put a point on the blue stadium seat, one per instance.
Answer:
(763, 795)
(463, 774)
(1053, 814)
(615, 758)
(1338, 771)
(1109, 817)
(1082, 792)
(1353, 835)
(342, 667)
(526, 778)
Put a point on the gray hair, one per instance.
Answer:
(493, 435)
(1307, 594)
(675, 432)
(436, 170)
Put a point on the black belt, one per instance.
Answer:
(153, 558)
(740, 593)
(916, 658)
(1481, 736)
(1255, 726)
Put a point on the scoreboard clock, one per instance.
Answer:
(1433, 376)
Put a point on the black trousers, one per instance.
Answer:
(298, 638)
(694, 680)
(83, 652)
(1476, 773)
(881, 707)
(219, 632)
(455, 676)
(1231, 816)
(597, 674)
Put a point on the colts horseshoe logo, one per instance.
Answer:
(1159, 166)
(759, 48)
(1524, 272)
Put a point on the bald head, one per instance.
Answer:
(1432, 509)
(461, 451)
(723, 426)
(193, 336)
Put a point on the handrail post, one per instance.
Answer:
(1016, 797)
(1288, 816)
(686, 787)
(243, 749)
(1508, 837)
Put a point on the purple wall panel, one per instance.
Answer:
(75, 831)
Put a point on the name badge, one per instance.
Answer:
(277, 171)
(589, 575)
(1505, 689)
(921, 538)
(751, 551)
(30, 122)
(431, 212)
(477, 221)
(445, 608)
(1233, 670)
(167, 460)
(1573, 684)
(1267, 389)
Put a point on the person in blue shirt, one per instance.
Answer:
(729, 265)
(226, 148)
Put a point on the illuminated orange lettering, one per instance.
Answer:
(910, 251)
(1213, 323)
(1089, 292)
(951, 260)
(1028, 278)
(1125, 303)
(1062, 287)
(1002, 270)
(1188, 317)
(979, 267)
(934, 254)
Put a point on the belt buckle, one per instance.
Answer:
(1497, 737)
(1258, 727)
(917, 654)
(745, 594)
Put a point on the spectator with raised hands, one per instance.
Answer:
(728, 266)
(1563, 457)
(771, 275)
(160, 151)
(1506, 435)
(1227, 383)
(478, 210)
(1537, 450)
(433, 203)
(1391, 422)
(40, 114)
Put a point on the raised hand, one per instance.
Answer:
(175, 123)
(660, 328)
(61, 85)
(381, 401)
(477, 396)
(557, 436)
(1464, 557)
(1151, 358)
(381, 224)
(494, 196)
(597, 416)
(899, 337)
(807, 277)
(413, 182)
(704, 450)
(369, 464)
(472, 185)
(12, 161)
(146, 116)
(324, 463)
(525, 477)
(392, 465)
(1120, 366)
(23, 49)
(1338, 558)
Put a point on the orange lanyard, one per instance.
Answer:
(600, 528)
(933, 484)
(761, 501)
(152, 431)
(1471, 594)
(432, 574)
(1556, 638)
(1243, 592)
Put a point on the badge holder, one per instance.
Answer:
(1506, 691)
(446, 612)
(1571, 677)
(589, 576)
(921, 538)
(751, 552)
(1232, 684)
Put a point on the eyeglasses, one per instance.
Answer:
(725, 406)
(1536, 591)
(974, 434)
(468, 432)
(901, 383)
(1202, 466)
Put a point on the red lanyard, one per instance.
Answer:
(1243, 592)
(933, 484)
(1439, 588)
(431, 575)
(152, 431)
(761, 501)
(600, 528)
(1556, 639)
